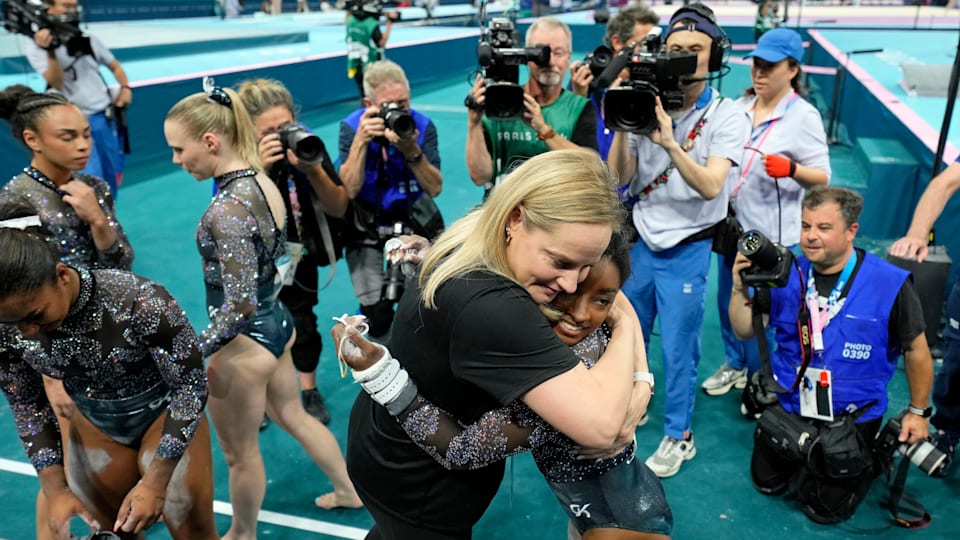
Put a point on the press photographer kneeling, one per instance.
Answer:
(856, 313)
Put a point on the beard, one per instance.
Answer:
(549, 78)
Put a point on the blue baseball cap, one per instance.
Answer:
(777, 44)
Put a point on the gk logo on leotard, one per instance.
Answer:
(580, 511)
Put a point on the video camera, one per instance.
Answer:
(501, 60)
(363, 9)
(28, 17)
(771, 262)
(654, 72)
(598, 60)
(924, 454)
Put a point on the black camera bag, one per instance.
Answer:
(790, 435)
(843, 452)
(726, 234)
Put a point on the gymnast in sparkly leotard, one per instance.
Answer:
(241, 242)
(139, 445)
(77, 209)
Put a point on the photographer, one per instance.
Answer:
(311, 193)
(554, 118)
(365, 41)
(946, 391)
(391, 178)
(678, 176)
(863, 313)
(630, 25)
(78, 78)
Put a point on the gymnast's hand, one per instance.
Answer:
(352, 348)
(141, 508)
(63, 506)
(83, 199)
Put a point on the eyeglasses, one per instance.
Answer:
(560, 53)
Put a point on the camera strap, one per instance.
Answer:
(687, 145)
(898, 496)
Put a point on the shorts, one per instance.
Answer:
(271, 325)
(629, 497)
(125, 420)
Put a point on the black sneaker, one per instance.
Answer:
(313, 403)
(946, 442)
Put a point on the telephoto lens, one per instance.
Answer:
(760, 250)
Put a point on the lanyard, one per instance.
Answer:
(295, 208)
(687, 144)
(821, 317)
(755, 148)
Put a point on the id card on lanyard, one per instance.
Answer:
(816, 384)
(754, 146)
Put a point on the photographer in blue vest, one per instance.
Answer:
(680, 172)
(390, 166)
(861, 314)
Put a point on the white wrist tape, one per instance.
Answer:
(375, 370)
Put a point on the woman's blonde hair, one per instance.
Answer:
(258, 95)
(200, 114)
(562, 186)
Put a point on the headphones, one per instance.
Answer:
(719, 46)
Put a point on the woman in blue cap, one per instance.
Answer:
(785, 154)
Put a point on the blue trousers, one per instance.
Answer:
(106, 156)
(946, 387)
(738, 353)
(672, 284)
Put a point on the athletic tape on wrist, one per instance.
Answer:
(376, 369)
(390, 392)
(382, 380)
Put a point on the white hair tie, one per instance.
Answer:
(20, 222)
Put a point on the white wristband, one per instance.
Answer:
(643, 376)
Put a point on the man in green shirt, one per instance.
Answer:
(554, 117)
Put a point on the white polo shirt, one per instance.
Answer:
(673, 211)
(82, 83)
(795, 130)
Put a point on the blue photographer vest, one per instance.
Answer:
(385, 182)
(858, 348)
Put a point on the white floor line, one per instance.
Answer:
(224, 508)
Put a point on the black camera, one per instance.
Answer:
(27, 18)
(598, 60)
(501, 61)
(305, 145)
(393, 275)
(398, 118)
(654, 72)
(771, 261)
(924, 454)
(363, 9)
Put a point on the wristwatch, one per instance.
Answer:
(925, 413)
(643, 376)
(415, 159)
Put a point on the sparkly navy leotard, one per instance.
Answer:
(73, 238)
(124, 338)
(240, 244)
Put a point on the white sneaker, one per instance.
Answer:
(666, 461)
(724, 379)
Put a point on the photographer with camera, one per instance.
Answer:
(785, 154)
(553, 118)
(678, 177)
(71, 67)
(390, 166)
(365, 40)
(629, 26)
(299, 166)
(857, 313)
(946, 390)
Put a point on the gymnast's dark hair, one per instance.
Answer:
(28, 259)
(24, 108)
(618, 251)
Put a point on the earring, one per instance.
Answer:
(506, 240)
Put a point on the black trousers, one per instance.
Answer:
(300, 298)
(826, 500)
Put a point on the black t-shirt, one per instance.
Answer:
(486, 345)
(906, 315)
